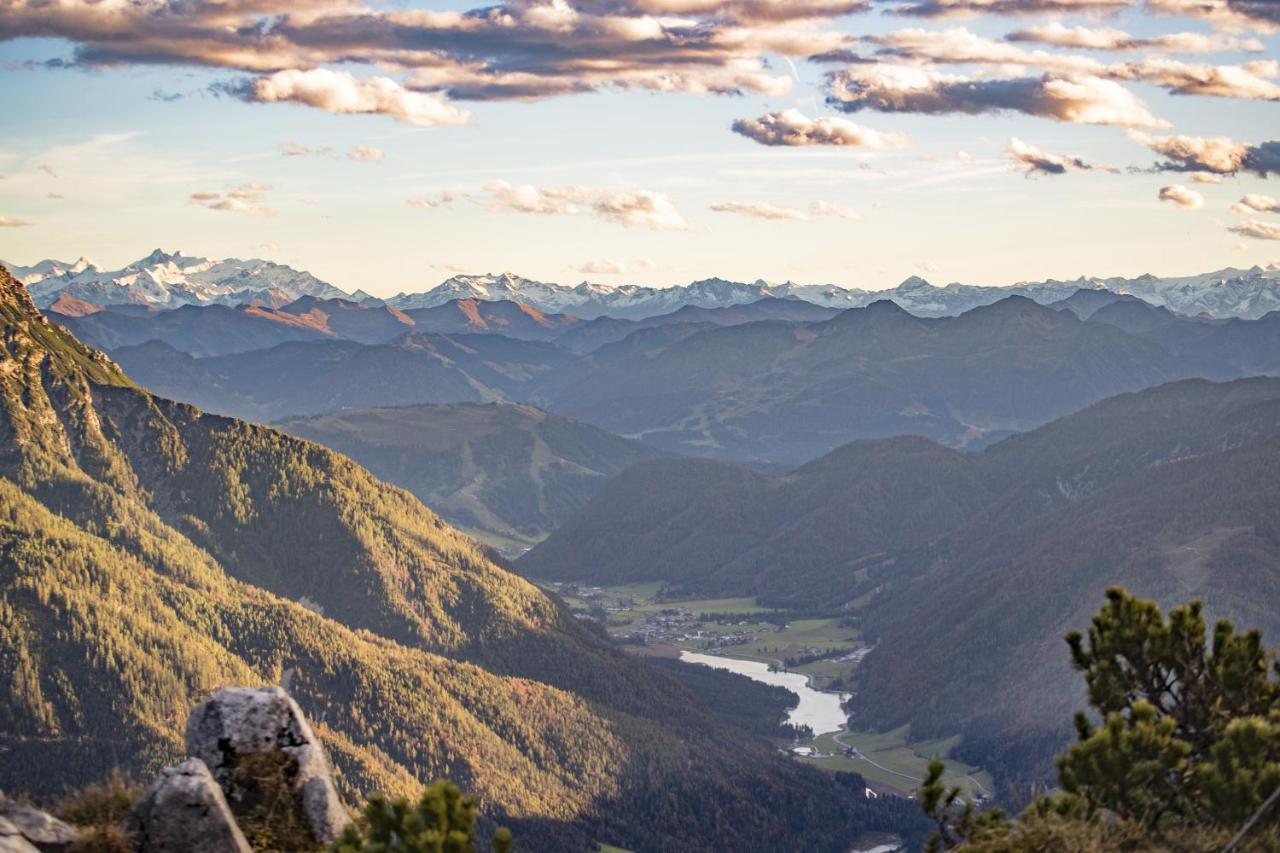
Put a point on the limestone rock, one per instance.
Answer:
(242, 721)
(184, 811)
(12, 841)
(42, 831)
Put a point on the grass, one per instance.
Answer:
(897, 763)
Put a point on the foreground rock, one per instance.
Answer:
(244, 721)
(184, 811)
(21, 824)
(13, 841)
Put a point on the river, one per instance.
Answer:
(819, 711)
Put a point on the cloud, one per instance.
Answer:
(1230, 14)
(1180, 196)
(1256, 203)
(1257, 229)
(293, 149)
(365, 154)
(793, 128)
(768, 210)
(910, 89)
(245, 199)
(947, 8)
(1218, 155)
(759, 210)
(11, 222)
(959, 46)
(635, 208)
(1034, 160)
(56, 196)
(342, 93)
(1055, 34)
(603, 267)
(927, 266)
(441, 200)
(1206, 178)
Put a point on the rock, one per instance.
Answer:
(12, 841)
(42, 831)
(242, 721)
(184, 811)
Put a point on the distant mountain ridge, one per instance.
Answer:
(172, 279)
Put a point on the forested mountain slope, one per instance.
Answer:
(512, 472)
(150, 553)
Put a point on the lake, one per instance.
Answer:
(817, 710)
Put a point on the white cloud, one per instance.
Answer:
(601, 267)
(1180, 196)
(632, 208)
(11, 222)
(927, 266)
(1257, 229)
(759, 210)
(794, 128)
(365, 154)
(341, 92)
(1219, 155)
(1033, 160)
(245, 199)
(441, 200)
(1256, 203)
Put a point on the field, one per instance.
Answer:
(885, 758)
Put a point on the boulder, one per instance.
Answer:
(243, 721)
(13, 841)
(42, 831)
(184, 811)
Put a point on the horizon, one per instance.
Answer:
(917, 276)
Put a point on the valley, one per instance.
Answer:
(816, 659)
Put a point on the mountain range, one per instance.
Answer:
(171, 280)
(152, 553)
(965, 570)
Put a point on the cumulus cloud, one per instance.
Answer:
(768, 210)
(512, 49)
(1079, 99)
(1056, 34)
(245, 199)
(1206, 178)
(1257, 229)
(293, 149)
(365, 154)
(794, 128)
(1256, 203)
(1035, 161)
(441, 200)
(1231, 14)
(959, 46)
(1218, 155)
(12, 222)
(1180, 196)
(342, 92)
(634, 208)
(927, 266)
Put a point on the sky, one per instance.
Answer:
(387, 147)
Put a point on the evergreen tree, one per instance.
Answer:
(1187, 755)
(442, 821)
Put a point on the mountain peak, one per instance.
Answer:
(914, 282)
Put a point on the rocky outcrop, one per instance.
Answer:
(184, 811)
(13, 841)
(243, 721)
(38, 830)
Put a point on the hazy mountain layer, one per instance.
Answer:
(512, 473)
